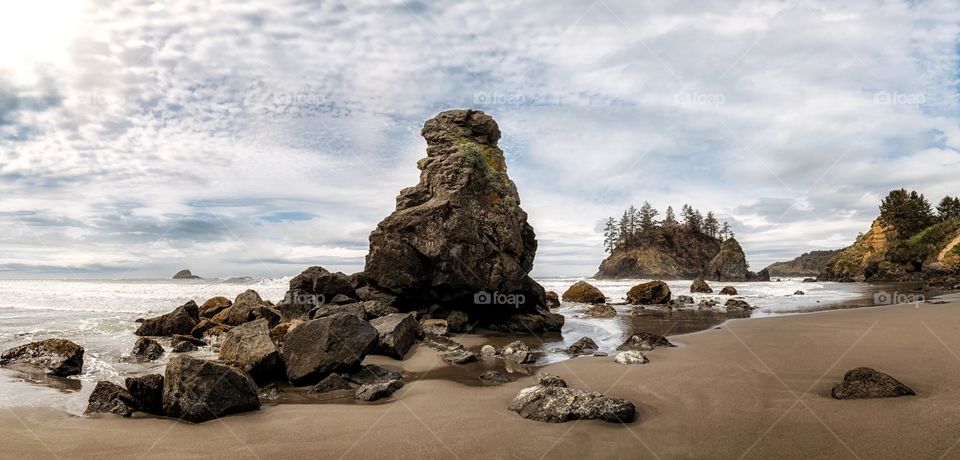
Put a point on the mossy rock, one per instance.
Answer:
(584, 292)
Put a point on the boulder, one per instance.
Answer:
(450, 350)
(146, 349)
(644, 341)
(147, 393)
(809, 280)
(528, 323)
(458, 321)
(549, 380)
(247, 307)
(700, 286)
(185, 275)
(493, 378)
(553, 300)
(601, 311)
(429, 327)
(185, 347)
(196, 390)
(488, 351)
(585, 345)
(378, 308)
(396, 334)
(209, 328)
(251, 348)
(57, 357)
(685, 300)
(557, 404)
(377, 391)
(737, 305)
(177, 339)
(584, 292)
(372, 373)
(518, 351)
(728, 290)
(867, 383)
(314, 287)
(214, 305)
(730, 264)
(182, 320)
(110, 398)
(341, 299)
(707, 304)
(366, 293)
(355, 309)
(631, 357)
(332, 383)
(652, 293)
(322, 346)
(279, 332)
(798, 292)
(460, 231)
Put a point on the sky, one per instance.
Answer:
(257, 138)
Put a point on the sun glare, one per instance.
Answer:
(37, 31)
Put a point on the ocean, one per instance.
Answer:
(100, 315)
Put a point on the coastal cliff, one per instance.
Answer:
(809, 264)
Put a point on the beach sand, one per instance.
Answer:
(756, 388)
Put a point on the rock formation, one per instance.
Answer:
(185, 275)
(583, 292)
(460, 232)
(730, 264)
(700, 286)
(146, 349)
(866, 383)
(110, 398)
(182, 320)
(651, 293)
(147, 393)
(551, 401)
(644, 341)
(251, 348)
(320, 347)
(396, 334)
(57, 357)
(196, 390)
(809, 264)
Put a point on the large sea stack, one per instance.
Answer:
(460, 232)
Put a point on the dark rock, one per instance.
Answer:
(147, 393)
(601, 311)
(548, 380)
(493, 378)
(799, 293)
(146, 350)
(553, 300)
(110, 398)
(701, 286)
(355, 309)
(738, 305)
(707, 304)
(56, 357)
(184, 347)
(377, 391)
(322, 346)
(528, 323)
(176, 339)
(396, 332)
(730, 264)
(196, 390)
(250, 347)
(209, 328)
(450, 350)
(214, 305)
(182, 320)
(808, 264)
(460, 231)
(652, 293)
(378, 308)
(185, 275)
(762, 275)
(458, 321)
(584, 292)
(428, 327)
(644, 341)
(867, 383)
(557, 404)
(519, 352)
(809, 280)
(366, 293)
(585, 345)
(314, 287)
(333, 382)
(341, 299)
(247, 307)
(372, 373)
(279, 332)
(728, 290)
(685, 300)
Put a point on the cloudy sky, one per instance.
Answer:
(260, 137)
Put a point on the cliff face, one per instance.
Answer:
(808, 264)
(730, 264)
(684, 256)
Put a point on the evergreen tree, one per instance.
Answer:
(725, 231)
(908, 213)
(710, 225)
(647, 225)
(670, 220)
(949, 208)
(611, 235)
(624, 230)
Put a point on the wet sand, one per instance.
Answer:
(755, 388)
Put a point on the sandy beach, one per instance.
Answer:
(755, 388)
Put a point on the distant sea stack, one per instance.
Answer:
(459, 238)
(185, 275)
(908, 242)
(696, 247)
(809, 264)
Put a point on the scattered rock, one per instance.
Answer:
(332, 383)
(450, 351)
(799, 293)
(185, 275)
(728, 290)
(557, 404)
(548, 380)
(430, 327)
(372, 373)
(685, 300)
(322, 346)
(601, 311)
(146, 349)
(147, 393)
(488, 351)
(110, 398)
(250, 347)
(867, 383)
(57, 357)
(196, 390)
(809, 280)
(182, 320)
(214, 305)
(396, 334)
(518, 351)
(176, 339)
(652, 293)
(585, 345)
(184, 347)
(644, 341)
(377, 391)
(458, 321)
(737, 305)
(584, 292)
(631, 357)
(700, 286)
(493, 378)
(707, 304)
(553, 300)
